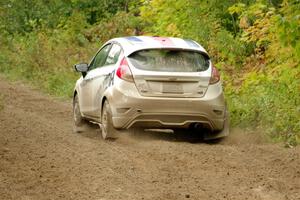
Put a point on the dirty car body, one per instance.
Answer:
(152, 82)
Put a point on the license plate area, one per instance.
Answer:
(171, 87)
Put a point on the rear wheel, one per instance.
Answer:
(107, 129)
(79, 121)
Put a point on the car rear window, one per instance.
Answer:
(167, 60)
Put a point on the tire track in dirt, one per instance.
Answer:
(41, 158)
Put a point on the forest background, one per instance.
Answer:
(254, 43)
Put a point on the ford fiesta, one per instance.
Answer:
(151, 82)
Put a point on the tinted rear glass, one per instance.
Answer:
(169, 60)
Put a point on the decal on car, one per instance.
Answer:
(164, 41)
(133, 39)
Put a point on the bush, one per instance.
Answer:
(230, 50)
(268, 103)
(42, 61)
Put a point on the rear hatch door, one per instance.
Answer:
(170, 72)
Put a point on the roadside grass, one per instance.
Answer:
(268, 107)
(44, 63)
(58, 84)
(268, 98)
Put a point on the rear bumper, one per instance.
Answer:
(170, 120)
(129, 109)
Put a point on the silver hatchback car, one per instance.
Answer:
(151, 82)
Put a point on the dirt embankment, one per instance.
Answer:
(40, 158)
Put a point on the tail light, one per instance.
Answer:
(123, 71)
(215, 76)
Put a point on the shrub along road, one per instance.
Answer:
(40, 158)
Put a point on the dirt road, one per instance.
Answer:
(41, 158)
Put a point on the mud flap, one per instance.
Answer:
(219, 134)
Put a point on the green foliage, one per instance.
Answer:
(71, 30)
(43, 39)
(24, 16)
(229, 49)
(95, 9)
(119, 25)
(289, 25)
(269, 103)
(267, 96)
(178, 18)
(44, 60)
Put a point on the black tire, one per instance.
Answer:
(107, 129)
(79, 121)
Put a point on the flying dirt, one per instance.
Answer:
(41, 158)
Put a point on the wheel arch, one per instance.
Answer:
(75, 93)
(107, 96)
(104, 98)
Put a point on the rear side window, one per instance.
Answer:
(113, 55)
(100, 58)
(170, 60)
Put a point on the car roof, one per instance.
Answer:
(135, 43)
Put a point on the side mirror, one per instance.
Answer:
(81, 67)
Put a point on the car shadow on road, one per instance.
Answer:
(176, 135)
(92, 131)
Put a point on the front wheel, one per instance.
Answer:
(107, 129)
(79, 121)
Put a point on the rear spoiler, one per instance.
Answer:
(170, 48)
